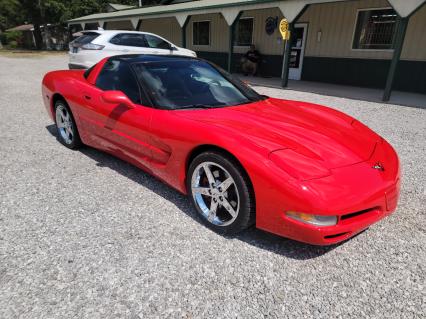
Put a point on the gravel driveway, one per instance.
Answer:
(85, 235)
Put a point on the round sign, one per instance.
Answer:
(270, 25)
(283, 26)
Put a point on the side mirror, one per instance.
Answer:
(173, 48)
(117, 97)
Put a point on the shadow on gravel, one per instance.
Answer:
(255, 237)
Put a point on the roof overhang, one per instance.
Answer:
(229, 9)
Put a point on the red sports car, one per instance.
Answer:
(295, 169)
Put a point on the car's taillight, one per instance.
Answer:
(91, 46)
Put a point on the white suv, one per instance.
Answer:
(95, 45)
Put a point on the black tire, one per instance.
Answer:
(246, 210)
(75, 142)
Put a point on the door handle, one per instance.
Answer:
(87, 97)
(125, 50)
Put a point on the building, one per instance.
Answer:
(369, 43)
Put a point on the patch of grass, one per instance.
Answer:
(19, 53)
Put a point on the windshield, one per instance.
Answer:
(190, 83)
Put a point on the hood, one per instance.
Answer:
(330, 137)
(185, 52)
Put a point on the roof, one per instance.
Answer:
(118, 7)
(141, 58)
(173, 7)
(24, 27)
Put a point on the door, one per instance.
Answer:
(297, 50)
(121, 130)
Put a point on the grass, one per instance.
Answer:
(20, 53)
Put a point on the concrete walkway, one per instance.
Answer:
(350, 92)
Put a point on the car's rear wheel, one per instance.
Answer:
(66, 127)
(221, 192)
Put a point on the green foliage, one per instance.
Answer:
(9, 14)
(15, 12)
(11, 38)
(12, 45)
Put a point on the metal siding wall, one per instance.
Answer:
(218, 33)
(119, 25)
(167, 28)
(415, 38)
(337, 23)
(266, 44)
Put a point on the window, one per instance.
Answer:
(186, 83)
(87, 37)
(375, 29)
(129, 39)
(201, 33)
(244, 32)
(116, 75)
(157, 43)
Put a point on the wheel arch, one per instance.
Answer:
(56, 97)
(211, 147)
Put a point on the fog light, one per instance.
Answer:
(316, 220)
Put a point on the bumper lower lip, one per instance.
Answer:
(329, 235)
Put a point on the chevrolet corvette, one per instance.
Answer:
(299, 170)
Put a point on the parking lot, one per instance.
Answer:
(85, 235)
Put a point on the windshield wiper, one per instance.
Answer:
(199, 106)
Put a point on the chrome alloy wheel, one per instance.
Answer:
(215, 193)
(64, 124)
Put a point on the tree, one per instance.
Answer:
(42, 12)
(9, 14)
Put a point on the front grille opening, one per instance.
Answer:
(352, 215)
(336, 235)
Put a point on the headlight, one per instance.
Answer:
(316, 220)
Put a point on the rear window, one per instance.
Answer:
(86, 38)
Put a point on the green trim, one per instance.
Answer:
(231, 40)
(183, 30)
(410, 76)
(399, 43)
(286, 58)
(110, 15)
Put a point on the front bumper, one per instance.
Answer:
(358, 195)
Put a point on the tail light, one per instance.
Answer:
(92, 46)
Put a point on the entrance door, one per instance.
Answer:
(297, 50)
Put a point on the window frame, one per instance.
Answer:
(156, 36)
(354, 31)
(252, 33)
(210, 34)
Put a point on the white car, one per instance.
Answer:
(94, 45)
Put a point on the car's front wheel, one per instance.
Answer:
(221, 192)
(65, 125)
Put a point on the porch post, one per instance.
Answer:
(183, 29)
(231, 40)
(286, 57)
(399, 43)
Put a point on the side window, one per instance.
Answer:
(375, 29)
(156, 43)
(117, 76)
(129, 39)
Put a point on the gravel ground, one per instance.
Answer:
(85, 235)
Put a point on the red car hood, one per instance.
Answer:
(328, 136)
